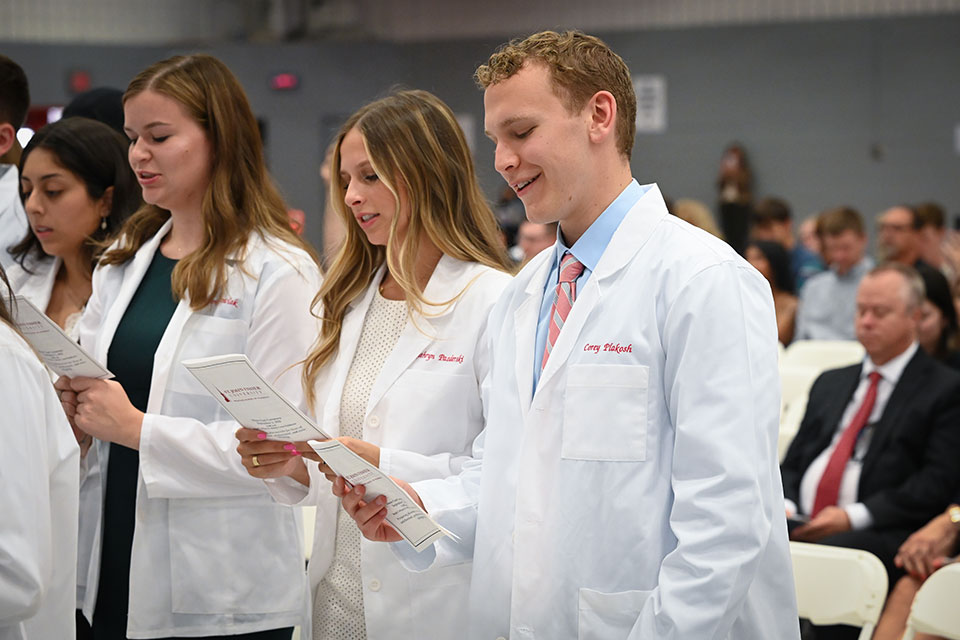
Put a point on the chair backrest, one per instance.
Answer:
(839, 586)
(804, 360)
(935, 609)
(790, 420)
(823, 354)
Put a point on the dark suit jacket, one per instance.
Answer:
(911, 470)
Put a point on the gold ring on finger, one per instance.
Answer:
(256, 462)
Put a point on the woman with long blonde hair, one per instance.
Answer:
(397, 369)
(188, 543)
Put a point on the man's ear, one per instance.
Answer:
(602, 111)
(8, 136)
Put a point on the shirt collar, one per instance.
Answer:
(595, 239)
(893, 369)
(857, 270)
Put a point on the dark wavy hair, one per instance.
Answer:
(779, 260)
(97, 155)
(938, 292)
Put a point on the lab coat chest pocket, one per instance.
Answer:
(214, 336)
(608, 615)
(605, 412)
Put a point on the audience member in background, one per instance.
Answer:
(509, 214)
(14, 102)
(104, 104)
(938, 332)
(771, 260)
(39, 470)
(735, 196)
(811, 237)
(933, 231)
(925, 551)
(828, 301)
(189, 544)
(77, 189)
(408, 287)
(532, 238)
(697, 214)
(333, 229)
(773, 222)
(876, 453)
(899, 238)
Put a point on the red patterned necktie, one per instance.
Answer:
(829, 488)
(563, 297)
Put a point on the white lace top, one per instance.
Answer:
(338, 602)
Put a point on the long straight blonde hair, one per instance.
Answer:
(241, 197)
(414, 144)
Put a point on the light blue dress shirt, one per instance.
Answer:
(587, 250)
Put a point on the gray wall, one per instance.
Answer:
(858, 112)
(810, 102)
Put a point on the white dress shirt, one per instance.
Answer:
(890, 373)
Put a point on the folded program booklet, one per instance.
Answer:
(59, 352)
(255, 404)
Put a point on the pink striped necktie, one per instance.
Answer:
(563, 297)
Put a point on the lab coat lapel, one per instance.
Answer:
(628, 240)
(349, 340)
(417, 335)
(132, 276)
(39, 290)
(525, 320)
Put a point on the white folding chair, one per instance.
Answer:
(803, 361)
(935, 609)
(790, 420)
(839, 586)
(823, 354)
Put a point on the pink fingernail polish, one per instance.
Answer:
(294, 453)
(262, 436)
(290, 447)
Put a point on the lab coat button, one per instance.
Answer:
(501, 638)
(374, 585)
(373, 421)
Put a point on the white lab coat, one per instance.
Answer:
(36, 285)
(39, 477)
(212, 552)
(424, 412)
(13, 219)
(636, 494)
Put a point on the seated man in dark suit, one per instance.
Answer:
(876, 454)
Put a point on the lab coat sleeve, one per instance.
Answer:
(452, 501)
(415, 467)
(720, 379)
(289, 491)
(185, 458)
(25, 528)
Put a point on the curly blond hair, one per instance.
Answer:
(580, 65)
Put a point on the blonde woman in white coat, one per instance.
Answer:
(396, 372)
(38, 496)
(189, 544)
